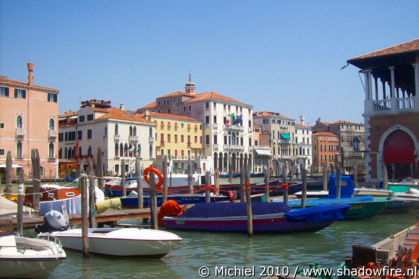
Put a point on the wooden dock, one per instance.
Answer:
(8, 225)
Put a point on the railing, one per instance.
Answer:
(382, 105)
(234, 127)
(151, 139)
(133, 138)
(406, 103)
(117, 137)
(52, 133)
(51, 159)
(236, 148)
(215, 147)
(20, 132)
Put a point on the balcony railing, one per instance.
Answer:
(235, 148)
(215, 147)
(151, 139)
(52, 133)
(133, 138)
(117, 137)
(52, 159)
(394, 105)
(234, 127)
(20, 132)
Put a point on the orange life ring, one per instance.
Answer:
(156, 172)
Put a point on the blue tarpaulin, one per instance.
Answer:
(346, 189)
(224, 209)
(318, 213)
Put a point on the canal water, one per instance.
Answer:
(328, 247)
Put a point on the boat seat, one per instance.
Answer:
(8, 245)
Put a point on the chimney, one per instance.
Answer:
(121, 106)
(30, 73)
(318, 120)
(302, 119)
(147, 114)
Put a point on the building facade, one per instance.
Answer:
(29, 120)
(261, 150)
(303, 144)
(325, 149)
(281, 131)
(177, 136)
(351, 143)
(227, 123)
(119, 133)
(391, 110)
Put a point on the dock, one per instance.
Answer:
(7, 225)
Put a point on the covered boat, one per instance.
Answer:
(267, 217)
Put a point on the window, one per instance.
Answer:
(207, 139)
(19, 150)
(175, 138)
(116, 149)
(89, 134)
(207, 119)
(106, 131)
(182, 139)
(161, 138)
(4, 91)
(79, 135)
(139, 150)
(90, 117)
(189, 139)
(196, 139)
(51, 124)
(215, 139)
(89, 151)
(81, 118)
(116, 129)
(225, 120)
(51, 150)
(1, 125)
(215, 105)
(206, 105)
(60, 136)
(168, 138)
(215, 119)
(20, 93)
(19, 122)
(52, 97)
(250, 142)
(116, 168)
(181, 125)
(225, 139)
(1, 152)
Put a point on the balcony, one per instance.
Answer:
(117, 137)
(151, 139)
(51, 159)
(215, 126)
(133, 138)
(234, 128)
(52, 133)
(215, 147)
(20, 132)
(236, 148)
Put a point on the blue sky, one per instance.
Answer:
(282, 56)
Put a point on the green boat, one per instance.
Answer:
(361, 207)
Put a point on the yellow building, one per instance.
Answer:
(177, 136)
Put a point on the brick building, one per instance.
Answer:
(325, 149)
(28, 120)
(391, 110)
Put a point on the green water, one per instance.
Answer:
(329, 247)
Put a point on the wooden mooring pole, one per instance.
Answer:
(207, 184)
(139, 182)
(267, 180)
(325, 175)
(385, 177)
(190, 182)
(92, 197)
(355, 174)
(338, 184)
(84, 215)
(8, 175)
(153, 201)
(217, 181)
(230, 170)
(248, 203)
(99, 169)
(304, 196)
(165, 187)
(123, 180)
(242, 186)
(36, 178)
(21, 195)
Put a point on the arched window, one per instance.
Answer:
(89, 151)
(67, 153)
(19, 122)
(71, 153)
(150, 131)
(126, 150)
(135, 131)
(130, 150)
(130, 131)
(19, 149)
(116, 150)
(60, 153)
(51, 124)
(51, 150)
(116, 129)
(121, 150)
(355, 143)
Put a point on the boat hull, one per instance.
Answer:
(269, 224)
(27, 268)
(120, 244)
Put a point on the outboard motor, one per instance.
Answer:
(54, 221)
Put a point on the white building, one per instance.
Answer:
(119, 133)
(227, 123)
(303, 144)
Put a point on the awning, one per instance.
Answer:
(263, 152)
(285, 136)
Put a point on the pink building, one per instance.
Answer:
(29, 120)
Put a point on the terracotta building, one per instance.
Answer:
(325, 148)
(28, 120)
(391, 110)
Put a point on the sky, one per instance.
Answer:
(280, 56)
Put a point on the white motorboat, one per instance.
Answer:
(120, 241)
(23, 257)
